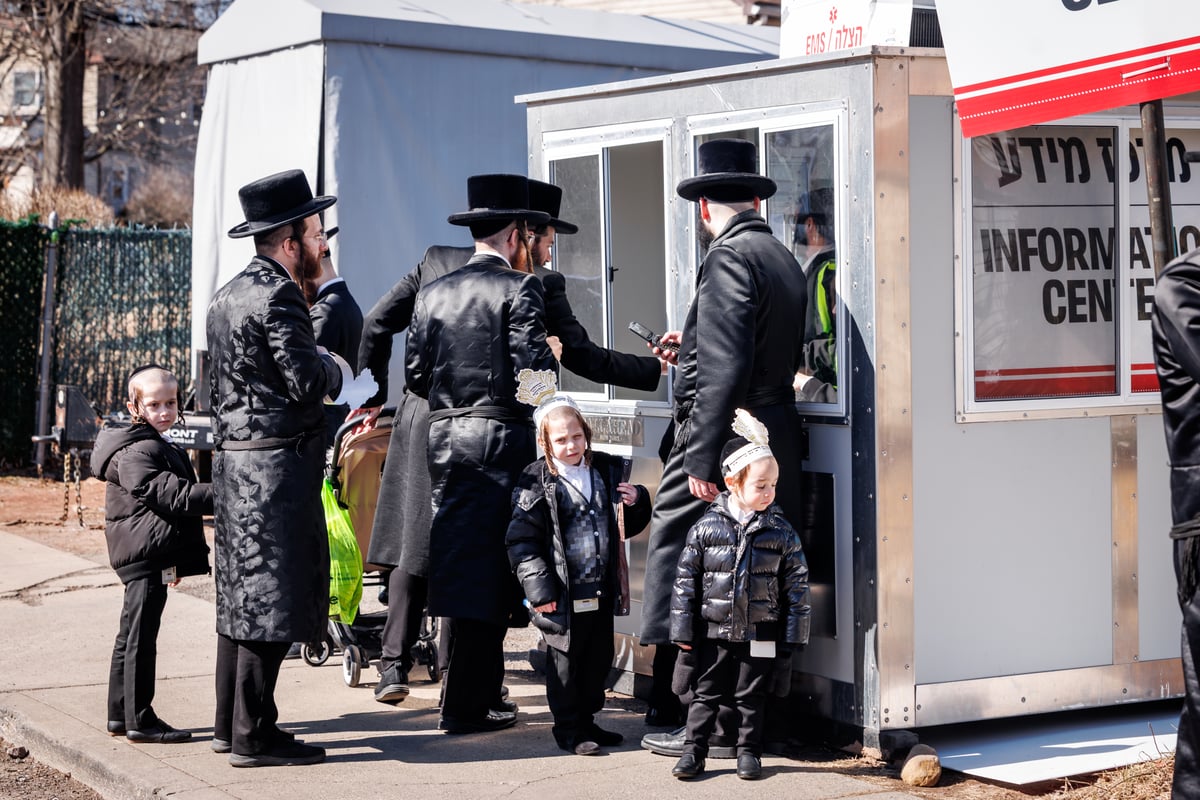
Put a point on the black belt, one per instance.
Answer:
(497, 413)
(269, 442)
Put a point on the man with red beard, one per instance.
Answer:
(268, 382)
(472, 331)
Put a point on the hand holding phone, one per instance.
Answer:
(642, 332)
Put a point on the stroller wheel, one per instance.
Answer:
(352, 665)
(316, 654)
(435, 674)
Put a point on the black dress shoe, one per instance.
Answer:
(492, 721)
(507, 706)
(602, 737)
(671, 744)
(160, 733)
(280, 754)
(688, 766)
(116, 727)
(749, 767)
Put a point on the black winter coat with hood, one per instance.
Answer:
(741, 583)
(152, 506)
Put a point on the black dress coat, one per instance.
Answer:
(400, 536)
(271, 559)
(337, 324)
(742, 344)
(472, 332)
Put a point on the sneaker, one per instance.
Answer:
(587, 749)
(280, 754)
(393, 686)
(220, 745)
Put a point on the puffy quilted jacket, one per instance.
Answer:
(741, 583)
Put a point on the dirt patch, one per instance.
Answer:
(23, 777)
(48, 512)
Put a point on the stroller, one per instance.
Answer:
(355, 468)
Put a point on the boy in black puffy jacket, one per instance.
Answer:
(152, 514)
(739, 604)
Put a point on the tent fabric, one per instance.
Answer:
(261, 115)
(495, 27)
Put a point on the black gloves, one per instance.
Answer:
(684, 674)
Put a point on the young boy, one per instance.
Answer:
(152, 514)
(740, 602)
(563, 545)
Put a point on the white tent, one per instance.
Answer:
(392, 104)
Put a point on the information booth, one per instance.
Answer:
(988, 531)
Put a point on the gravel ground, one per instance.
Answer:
(26, 778)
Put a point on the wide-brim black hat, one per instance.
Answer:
(727, 173)
(276, 200)
(548, 197)
(493, 198)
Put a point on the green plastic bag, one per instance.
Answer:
(345, 559)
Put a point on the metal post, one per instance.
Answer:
(45, 379)
(1158, 184)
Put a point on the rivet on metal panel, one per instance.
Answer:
(1022, 699)
(906, 717)
(918, 706)
(1125, 691)
(902, 238)
(884, 452)
(904, 497)
(902, 154)
(906, 709)
(885, 538)
(908, 666)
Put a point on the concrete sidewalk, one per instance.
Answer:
(60, 615)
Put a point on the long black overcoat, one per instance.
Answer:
(271, 559)
(400, 536)
(742, 344)
(472, 332)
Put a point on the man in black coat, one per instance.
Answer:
(268, 383)
(337, 324)
(1177, 361)
(740, 347)
(400, 536)
(472, 333)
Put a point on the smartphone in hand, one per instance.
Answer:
(642, 332)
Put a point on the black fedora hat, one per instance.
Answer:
(548, 197)
(727, 173)
(493, 198)
(276, 200)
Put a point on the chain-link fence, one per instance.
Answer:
(22, 260)
(123, 299)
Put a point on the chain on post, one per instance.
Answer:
(76, 476)
(67, 458)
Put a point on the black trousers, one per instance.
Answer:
(575, 679)
(246, 676)
(406, 608)
(1186, 783)
(135, 654)
(475, 670)
(726, 675)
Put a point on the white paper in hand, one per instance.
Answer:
(355, 391)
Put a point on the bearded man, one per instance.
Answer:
(268, 382)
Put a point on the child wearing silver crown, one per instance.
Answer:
(563, 544)
(740, 603)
